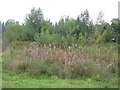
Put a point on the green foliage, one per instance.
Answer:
(46, 38)
(115, 25)
(100, 18)
(13, 31)
(82, 39)
(10, 21)
(84, 24)
(65, 26)
(67, 31)
(34, 20)
(86, 61)
(101, 38)
(27, 34)
(56, 59)
(47, 26)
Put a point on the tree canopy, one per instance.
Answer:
(67, 30)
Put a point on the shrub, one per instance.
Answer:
(46, 38)
(19, 65)
(50, 68)
(47, 67)
(13, 31)
(65, 73)
(101, 38)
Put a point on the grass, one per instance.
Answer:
(12, 80)
(49, 67)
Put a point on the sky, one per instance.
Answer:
(55, 9)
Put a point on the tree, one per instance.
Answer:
(115, 23)
(13, 30)
(10, 21)
(27, 34)
(34, 20)
(66, 26)
(84, 24)
(60, 27)
(85, 17)
(47, 26)
(100, 18)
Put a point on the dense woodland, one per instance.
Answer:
(67, 31)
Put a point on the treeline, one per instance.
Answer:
(67, 31)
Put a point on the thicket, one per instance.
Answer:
(66, 31)
(64, 62)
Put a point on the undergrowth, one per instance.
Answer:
(65, 62)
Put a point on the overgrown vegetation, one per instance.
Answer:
(69, 49)
(67, 30)
(65, 62)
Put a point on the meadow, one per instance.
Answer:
(32, 65)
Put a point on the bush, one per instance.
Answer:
(48, 67)
(27, 34)
(19, 65)
(13, 32)
(46, 38)
(101, 38)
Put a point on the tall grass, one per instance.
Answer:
(65, 62)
